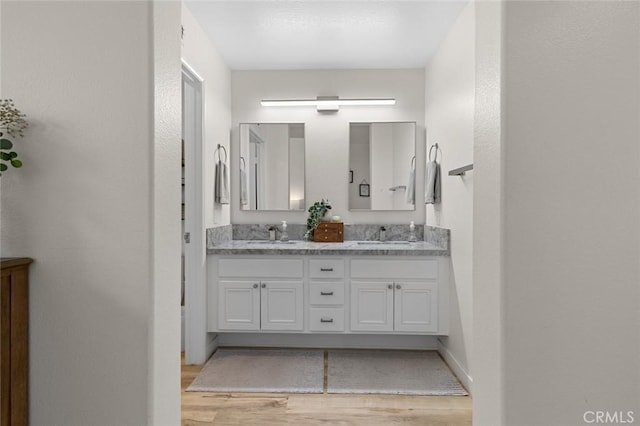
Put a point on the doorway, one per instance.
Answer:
(193, 229)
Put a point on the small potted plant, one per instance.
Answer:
(12, 124)
(317, 212)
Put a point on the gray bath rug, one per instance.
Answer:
(391, 372)
(262, 370)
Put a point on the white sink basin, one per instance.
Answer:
(271, 242)
(385, 243)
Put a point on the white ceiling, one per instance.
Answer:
(277, 35)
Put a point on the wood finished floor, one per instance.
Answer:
(204, 408)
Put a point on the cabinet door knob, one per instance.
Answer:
(398, 286)
(255, 286)
(390, 286)
(264, 285)
(326, 319)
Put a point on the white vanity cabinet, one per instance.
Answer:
(326, 294)
(395, 295)
(330, 294)
(257, 294)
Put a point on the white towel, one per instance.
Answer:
(244, 198)
(221, 185)
(432, 182)
(410, 195)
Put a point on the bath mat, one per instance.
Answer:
(391, 372)
(262, 370)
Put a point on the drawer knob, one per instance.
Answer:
(326, 319)
(326, 269)
(326, 293)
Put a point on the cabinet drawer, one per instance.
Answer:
(260, 268)
(326, 293)
(326, 268)
(326, 319)
(394, 269)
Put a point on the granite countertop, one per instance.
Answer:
(374, 248)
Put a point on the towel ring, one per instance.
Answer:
(243, 164)
(435, 145)
(220, 155)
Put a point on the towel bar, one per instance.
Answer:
(460, 171)
(221, 147)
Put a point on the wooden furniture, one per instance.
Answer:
(329, 232)
(14, 331)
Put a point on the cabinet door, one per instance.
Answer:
(239, 305)
(371, 306)
(416, 306)
(281, 303)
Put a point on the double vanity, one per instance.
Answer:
(376, 289)
(355, 287)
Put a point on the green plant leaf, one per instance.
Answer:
(3, 167)
(5, 144)
(4, 156)
(16, 163)
(13, 154)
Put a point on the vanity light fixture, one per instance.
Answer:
(327, 103)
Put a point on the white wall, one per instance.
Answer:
(449, 110)
(571, 209)
(199, 52)
(203, 58)
(488, 217)
(327, 135)
(96, 207)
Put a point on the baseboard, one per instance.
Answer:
(212, 344)
(456, 367)
(349, 341)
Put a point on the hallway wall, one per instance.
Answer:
(199, 52)
(571, 210)
(449, 110)
(97, 206)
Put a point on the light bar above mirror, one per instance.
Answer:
(327, 103)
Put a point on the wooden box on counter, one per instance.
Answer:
(329, 232)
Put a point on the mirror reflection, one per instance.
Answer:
(272, 166)
(382, 166)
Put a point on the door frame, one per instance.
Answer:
(195, 251)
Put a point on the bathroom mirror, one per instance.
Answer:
(272, 166)
(382, 166)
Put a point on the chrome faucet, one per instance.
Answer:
(382, 233)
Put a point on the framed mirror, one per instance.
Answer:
(382, 161)
(272, 169)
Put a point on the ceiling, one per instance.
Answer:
(283, 35)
